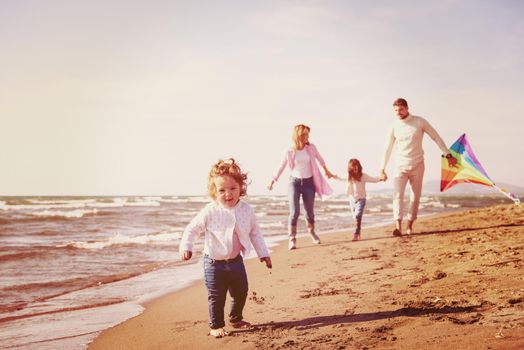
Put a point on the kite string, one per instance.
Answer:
(507, 194)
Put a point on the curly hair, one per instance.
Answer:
(226, 168)
(354, 170)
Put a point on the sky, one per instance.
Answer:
(142, 97)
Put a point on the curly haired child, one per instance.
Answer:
(230, 229)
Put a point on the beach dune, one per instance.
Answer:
(457, 283)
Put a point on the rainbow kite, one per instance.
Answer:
(466, 168)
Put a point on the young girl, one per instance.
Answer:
(230, 228)
(357, 192)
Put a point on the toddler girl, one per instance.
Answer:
(230, 228)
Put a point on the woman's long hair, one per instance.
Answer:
(354, 170)
(298, 131)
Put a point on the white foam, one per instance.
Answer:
(173, 200)
(116, 202)
(271, 225)
(341, 214)
(120, 239)
(337, 206)
(60, 201)
(433, 204)
(73, 205)
(146, 203)
(78, 213)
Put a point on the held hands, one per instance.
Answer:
(186, 255)
(383, 176)
(329, 174)
(267, 260)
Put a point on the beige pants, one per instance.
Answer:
(415, 176)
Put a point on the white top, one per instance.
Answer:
(406, 135)
(218, 224)
(357, 189)
(302, 169)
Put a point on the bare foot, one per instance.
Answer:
(410, 227)
(241, 325)
(218, 333)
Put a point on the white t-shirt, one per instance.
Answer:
(357, 189)
(302, 169)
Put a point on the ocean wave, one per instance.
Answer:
(142, 204)
(271, 225)
(453, 205)
(64, 214)
(337, 206)
(432, 204)
(120, 239)
(116, 202)
(173, 200)
(20, 207)
(334, 215)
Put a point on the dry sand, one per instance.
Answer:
(458, 283)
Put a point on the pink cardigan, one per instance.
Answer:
(321, 185)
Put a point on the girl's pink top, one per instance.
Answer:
(321, 185)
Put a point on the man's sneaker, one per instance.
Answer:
(397, 233)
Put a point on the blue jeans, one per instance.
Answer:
(306, 188)
(221, 276)
(358, 208)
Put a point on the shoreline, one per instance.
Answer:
(372, 293)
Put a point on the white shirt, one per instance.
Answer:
(406, 135)
(302, 169)
(218, 224)
(357, 189)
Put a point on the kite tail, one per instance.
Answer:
(510, 195)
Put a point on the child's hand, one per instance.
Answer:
(186, 255)
(270, 186)
(267, 260)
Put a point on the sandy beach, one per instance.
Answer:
(457, 283)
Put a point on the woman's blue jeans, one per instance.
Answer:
(221, 276)
(306, 189)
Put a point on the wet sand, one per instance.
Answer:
(457, 283)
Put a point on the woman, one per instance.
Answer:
(305, 181)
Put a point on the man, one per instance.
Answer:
(406, 135)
